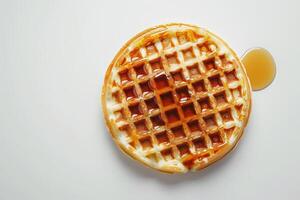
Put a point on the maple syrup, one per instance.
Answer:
(260, 67)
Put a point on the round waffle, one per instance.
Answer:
(176, 98)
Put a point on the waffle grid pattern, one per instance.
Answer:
(178, 99)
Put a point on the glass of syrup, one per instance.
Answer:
(260, 67)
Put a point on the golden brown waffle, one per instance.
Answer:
(176, 98)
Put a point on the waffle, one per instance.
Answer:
(176, 98)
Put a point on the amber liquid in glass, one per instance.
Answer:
(260, 67)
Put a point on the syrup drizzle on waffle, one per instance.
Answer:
(177, 98)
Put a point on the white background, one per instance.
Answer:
(53, 142)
